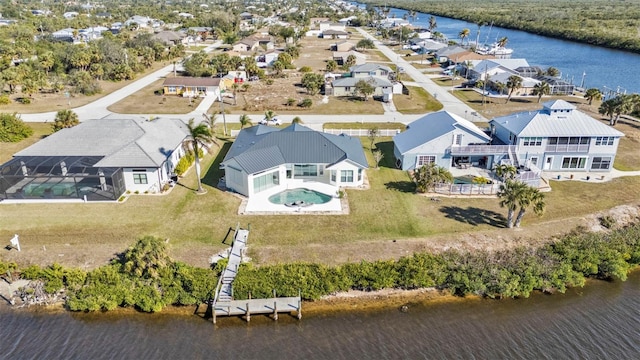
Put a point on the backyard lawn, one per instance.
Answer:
(150, 100)
(88, 235)
(418, 101)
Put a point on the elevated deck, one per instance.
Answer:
(259, 306)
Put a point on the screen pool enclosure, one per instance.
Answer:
(60, 177)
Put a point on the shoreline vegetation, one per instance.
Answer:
(144, 278)
(611, 25)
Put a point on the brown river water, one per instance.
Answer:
(599, 321)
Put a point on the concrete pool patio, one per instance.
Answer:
(259, 203)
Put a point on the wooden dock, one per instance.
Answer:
(223, 303)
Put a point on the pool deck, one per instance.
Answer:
(259, 204)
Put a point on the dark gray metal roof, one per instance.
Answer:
(260, 148)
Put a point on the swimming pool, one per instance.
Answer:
(296, 195)
(54, 189)
(465, 179)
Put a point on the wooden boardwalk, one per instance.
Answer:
(223, 303)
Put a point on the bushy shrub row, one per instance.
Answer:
(186, 161)
(146, 278)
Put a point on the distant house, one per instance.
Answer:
(269, 159)
(268, 58)
(314, 22)
(191, 86)
(342, 46)
(431, 139)
(96, 160)
(370, 69)
(246, 16)
(327, 25)
(335, 34)
(449, 53)
(70, 14)
(347, 86)
(340, 57)
(559, 138)
(253, 43)
(169, 38)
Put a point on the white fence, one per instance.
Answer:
(362, 132)
(467, 189)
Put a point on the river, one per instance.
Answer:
(606, 69)
(599, 321)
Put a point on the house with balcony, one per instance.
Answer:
(558, 138)
(264, 158)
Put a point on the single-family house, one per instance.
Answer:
(246, 16)
(169, 38)
(559, 138)
(449, 53)
(97, 160)
(267, 58)
(70, 15)
(139, 21)
(192, 86)
(328, 25)
(334, 34)
(340, 57)
(263, 158)
(315, 21)
(431, 139)
(67, 34)
(245, 45)
(370, 69)
(346, 86)
(342, 46)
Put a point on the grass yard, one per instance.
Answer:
(87, 235)
(146, 101)
(57, 101)
(418, 101)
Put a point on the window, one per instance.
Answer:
(333, 175)
(534, 160)
(347, 88)
(172, 89)
(531, 141)
(266, 181)
(605, 140)
(139, 178)
(320, 170)
(458, 140)
(602, 163)
(359, 174)
(425, 159)
(305, 170)
(574, 162)
(346, 176)
(574, 140)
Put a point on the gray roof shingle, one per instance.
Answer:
(260, 147)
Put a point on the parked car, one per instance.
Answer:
(272, 122)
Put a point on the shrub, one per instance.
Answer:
(5, 100)
(24, 100)
(269, 81)
(291, 101)
(608, 221)
(306, 103)
(305, 69)
(184, 163)
(12, 128)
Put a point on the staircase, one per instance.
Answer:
(513, 157)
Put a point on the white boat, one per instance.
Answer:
(495, 50)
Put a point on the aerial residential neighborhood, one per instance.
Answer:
(262, 154)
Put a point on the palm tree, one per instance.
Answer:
(513, 83)
(509, 195)
(503, 41)
(541, 88)
(430, 175)
(463, 35)
(296, 120)
(199, 136)
(500, 87)
(432, 23)
(506, 172)
(234, 89)
(530, 197)
(65, 119)
(592, 94)
(245, 120)
(269, 115)
(608, 108)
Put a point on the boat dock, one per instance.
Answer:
(223, 302)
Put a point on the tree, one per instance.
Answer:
(428, 176)
(464, 34)
(551, 71)
(541, 88)
(146, 258)
(312, 82)
(500, 87)
(245, 120)
(513, 83)
(277, 66)
(199, 136)
(364, 88)
(503, 41)
(621, 104)
(509, 195)
(245, 87)
(350, 61)
(12, 128)
(530, 197)
(608, 108)
(373, 134)
(365, 44)
(269, 115)
(234, 88)
(506, 172)
(65, 119)
(331, 65)
(432, 23)
(378, 155)
(592, 94)
(297, 120)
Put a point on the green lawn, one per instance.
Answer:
(418, 101)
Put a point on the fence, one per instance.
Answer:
(362, 132)
(467, 189)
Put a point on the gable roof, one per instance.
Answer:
(368, 67)
(556, 118)
(433, 126)
(120, 142)
(260, 147)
